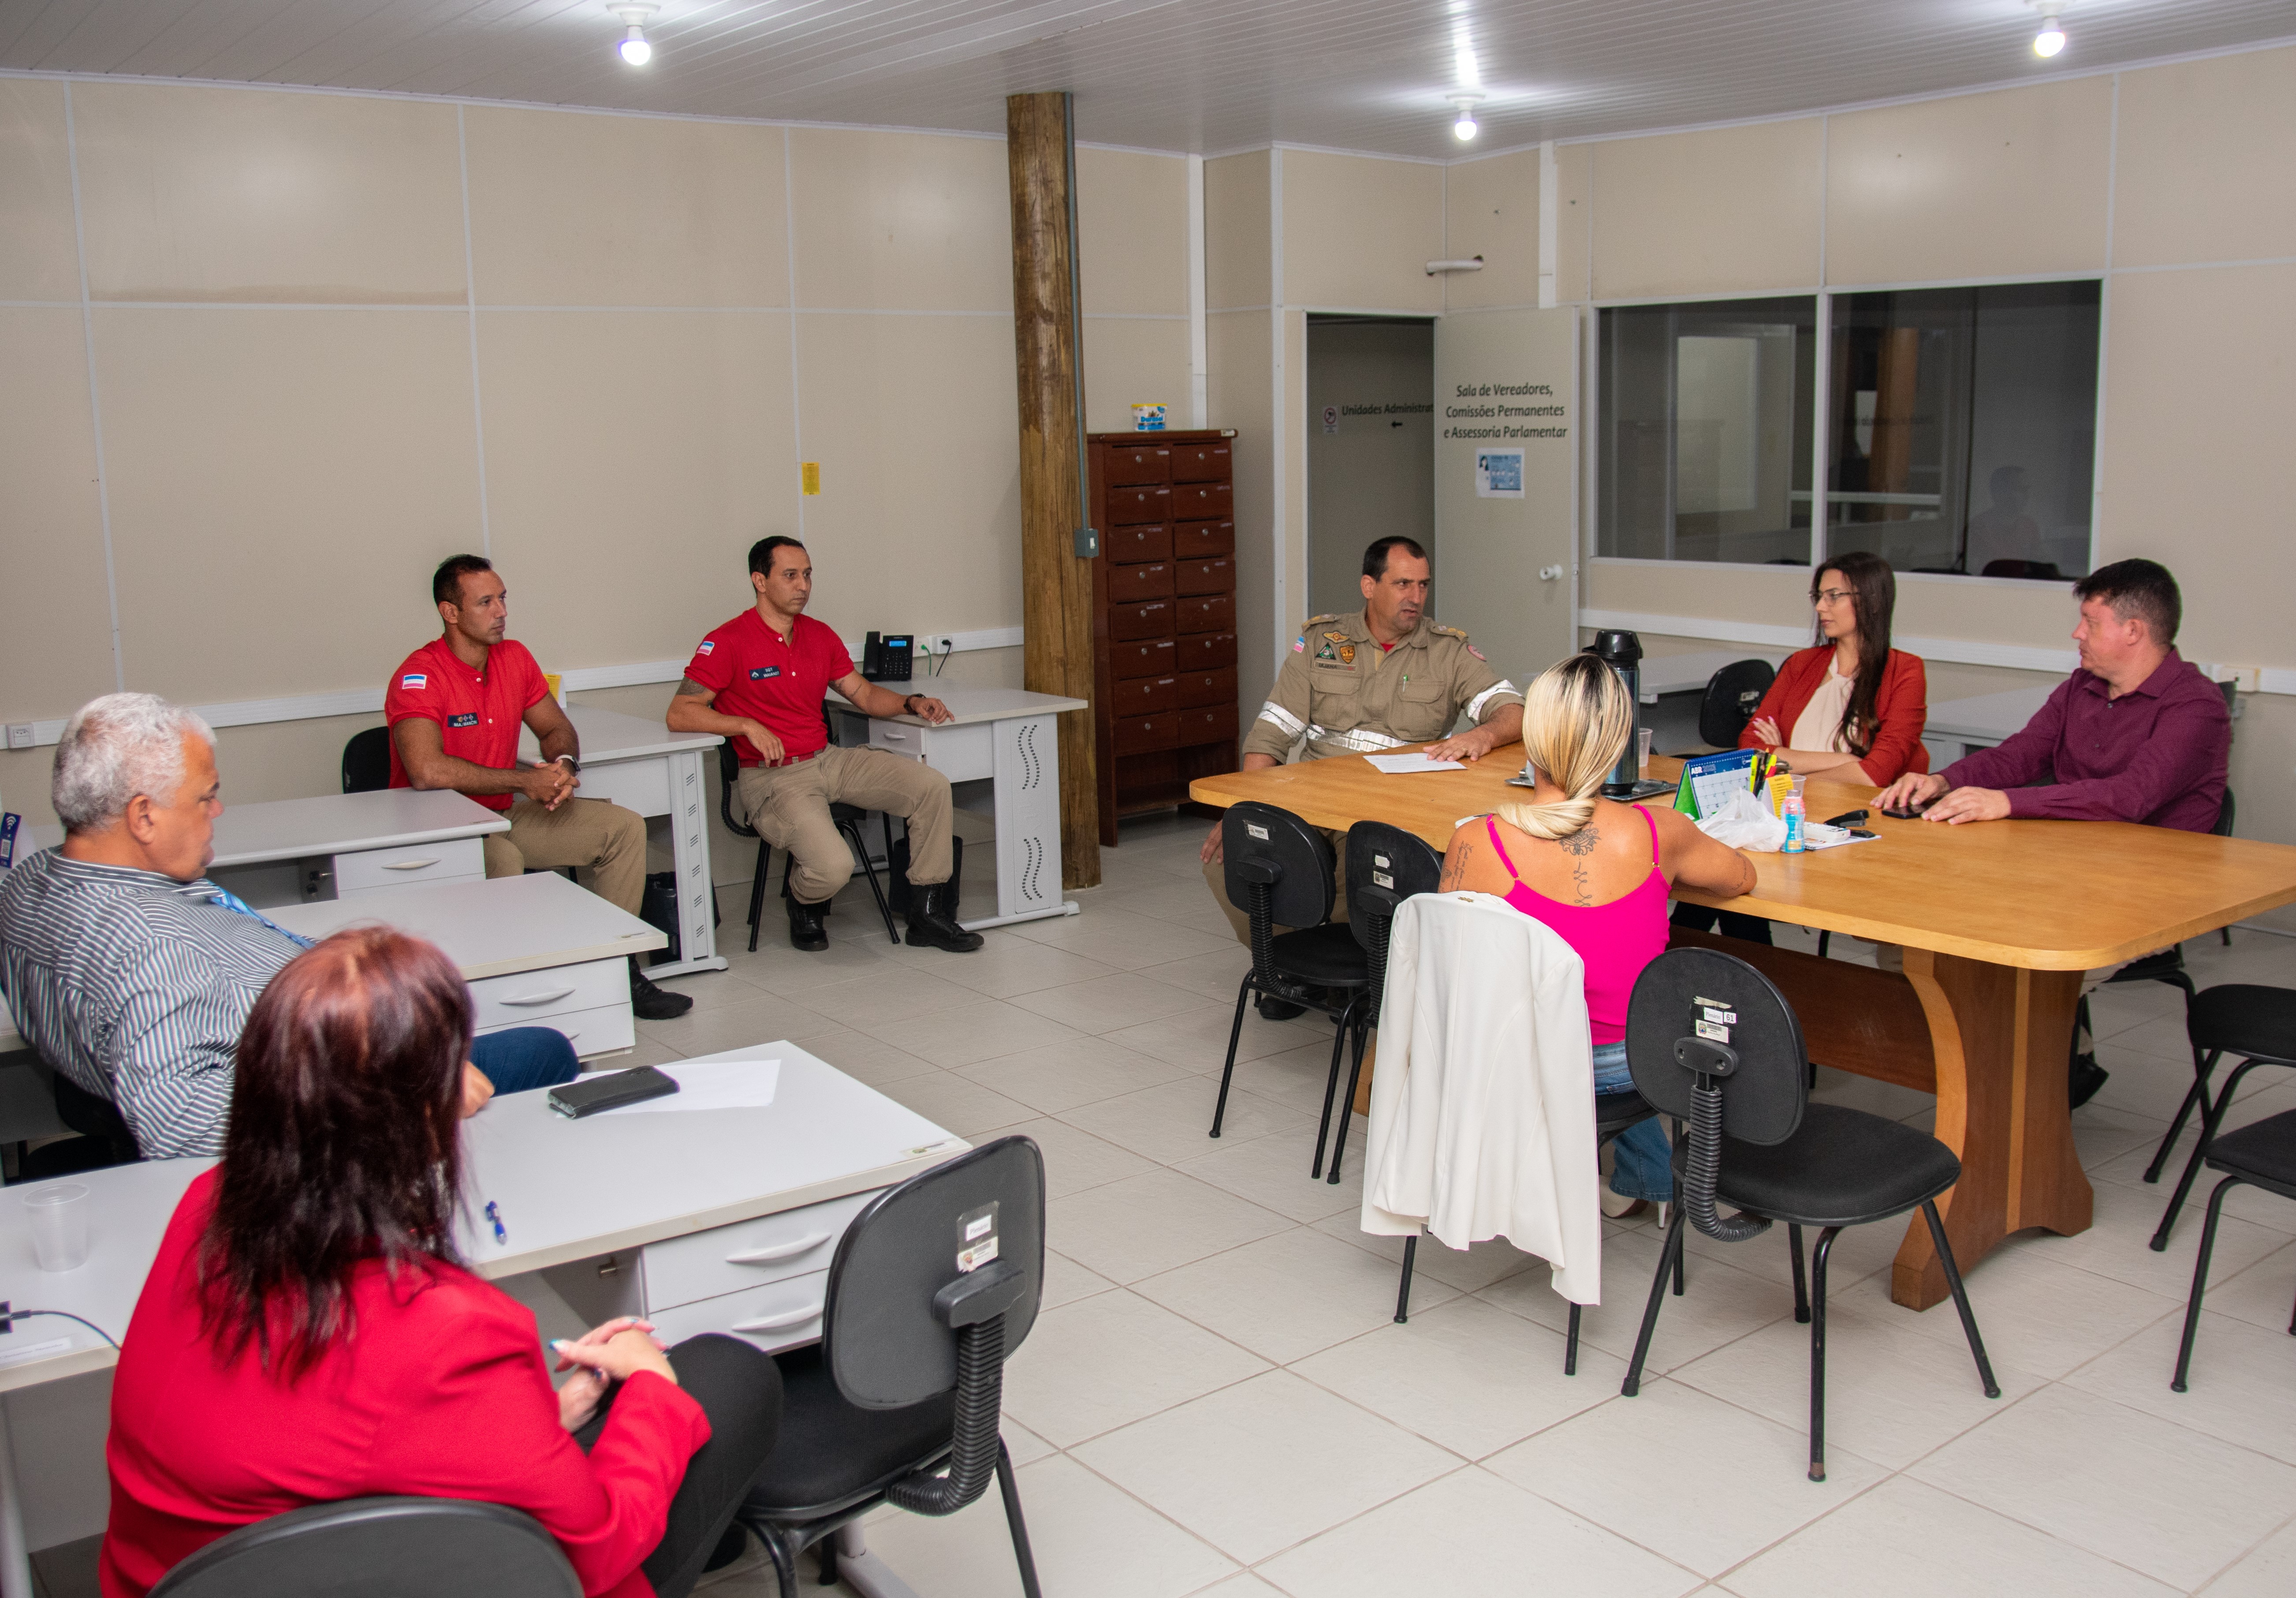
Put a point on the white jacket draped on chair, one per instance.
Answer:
(1482, 1107)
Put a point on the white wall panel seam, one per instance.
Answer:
(1278, 467)
(1199, 319)
(2104, 329)
(471, 310)
(94, 397)
(789, 292)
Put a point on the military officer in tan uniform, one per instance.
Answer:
(1364, 683)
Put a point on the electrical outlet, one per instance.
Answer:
(947, 645)
(20, 735)
(2250, 678)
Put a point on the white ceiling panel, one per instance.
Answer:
(1202, 75)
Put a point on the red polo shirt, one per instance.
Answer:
(755, 672)
(479, 714)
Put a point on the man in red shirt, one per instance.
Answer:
(759, 680)
(454, 708)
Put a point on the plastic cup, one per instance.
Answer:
(1794, 790)
(1643, 766)
(59, 1225)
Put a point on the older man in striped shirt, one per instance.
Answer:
(129, 972)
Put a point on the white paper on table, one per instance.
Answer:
(713, 1085)
(1817, 835)
(1396, 765)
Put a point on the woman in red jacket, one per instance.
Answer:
(307, 1335)
(1852, 706)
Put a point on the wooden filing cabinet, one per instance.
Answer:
(1164, 682)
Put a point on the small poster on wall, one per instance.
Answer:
(1498, 474)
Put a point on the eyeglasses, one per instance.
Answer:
(1834, 596)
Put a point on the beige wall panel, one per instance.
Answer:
(914, 421)
(248, 195)
(632, 459)
(1694, 589)
(901, 221)
(1701, 213)
(1978, 186)
(1132, 228)
(55, 622)
(572, 208)
(2029, 615)
(1292, 534)
(287, 759)
(282, 483)
(1236, 230)
(2202, 382)
(2201, 173)
(1491, 209)
(1359, 231)
(1240, 397)
(1574, 221)
(39, 255)
(1130, 361)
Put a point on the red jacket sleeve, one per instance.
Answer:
(1789, 692)
(1901, 710)
(481, 1421)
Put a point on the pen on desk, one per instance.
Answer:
(494, 1219)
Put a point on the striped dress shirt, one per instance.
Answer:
(136, 986)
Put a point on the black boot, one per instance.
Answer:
(931, 926)
(2084, 1075)
(805, 931)
(1274, 1009)
(652, 1004)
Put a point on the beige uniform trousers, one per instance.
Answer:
(595, 835)
(789, 805)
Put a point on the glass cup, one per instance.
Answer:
(59, 1225)
(1643, 766)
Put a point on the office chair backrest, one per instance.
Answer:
(1266, 848)
(381, 1548)
(1732, 694)
(729, 775)
(1386, 865)
(366, 761)
(2224, 811)
(888, 1344)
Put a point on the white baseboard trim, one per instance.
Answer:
(577, 679)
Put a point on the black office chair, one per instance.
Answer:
(103, 1140)
(848, 818)
(1282, 871)
(1757, 1143)
(1733, 695)
(2258, 1024)
(899, 1401)
(2262, 1154)
(1386, 865)
(381, 1548)
(366, 761)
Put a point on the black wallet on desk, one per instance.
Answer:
(610, 1090)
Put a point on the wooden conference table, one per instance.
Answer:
(1998, 919)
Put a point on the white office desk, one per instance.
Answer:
(1958, 725)
(294, 851)
(1007, 737)
(643, 765)
(1687, 674)
(666, 1196)
(537, 950)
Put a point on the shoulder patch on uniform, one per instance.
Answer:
(1448, 632)
(1316, 621)
(414, 679)
(706, 646)
(1300, 643)
(1337, 637)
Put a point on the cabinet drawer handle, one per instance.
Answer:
(409, 865)
(538, 998)
(775, 1322)
(891, 737)
(779, 1250)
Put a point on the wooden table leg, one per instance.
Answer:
(2000, 1036)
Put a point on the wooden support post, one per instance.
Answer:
(1055, 580)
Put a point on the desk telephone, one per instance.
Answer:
(887, 659)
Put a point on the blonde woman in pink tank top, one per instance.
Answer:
(1597, 872)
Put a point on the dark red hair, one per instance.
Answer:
(344, 1144)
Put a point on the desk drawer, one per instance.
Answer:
(1145, 735)
(1145, 502)
(523, 999)
(600, 1032)
(1138, 464)
(1201, 540)
(1205, 613)
(1205, 652)
(1204, 576)
(960, 754)
(1125, 544)
(781, 1315)
(370, 869)
(1197, 462)
(1205, 688)
(1140, 696)
(1200, 500)
(1213, 725)
(1149, 659)
(1132, 584)
(1130, 623)
(747, 1254)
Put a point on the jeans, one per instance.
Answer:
(1643, 1167)
(523, 1058)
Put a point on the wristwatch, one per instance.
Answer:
(908, 704)
(572, 764)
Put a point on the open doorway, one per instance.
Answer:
(1371, 447)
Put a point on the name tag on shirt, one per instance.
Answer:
(468, 719)
(759, 674)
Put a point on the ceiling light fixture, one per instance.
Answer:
(2051, 36)
(635, 47)
(1466, 127)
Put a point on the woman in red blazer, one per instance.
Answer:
(1852, 705)
(307, 1334)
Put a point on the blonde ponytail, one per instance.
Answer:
(1575, 720)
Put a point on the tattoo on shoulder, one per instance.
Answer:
(1578, 845)
(1582, 842)
(1455, 865)
(689, 686)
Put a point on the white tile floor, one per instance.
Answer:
(1216, 1399)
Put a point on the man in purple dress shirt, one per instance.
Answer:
(2136, 734)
